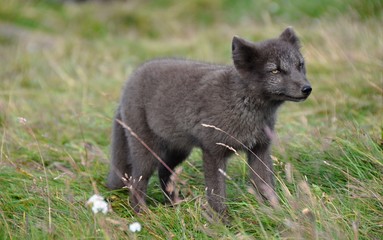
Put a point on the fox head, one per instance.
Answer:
(275, 68)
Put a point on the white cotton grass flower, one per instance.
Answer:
(22, 120)
(98, 204)
(135, 227)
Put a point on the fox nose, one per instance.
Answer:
(306, 89)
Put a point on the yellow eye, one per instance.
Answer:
(275, 71)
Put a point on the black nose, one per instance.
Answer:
(307, 90)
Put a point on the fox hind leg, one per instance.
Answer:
(172, 159)
(143, 166)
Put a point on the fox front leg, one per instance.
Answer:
(262, 173)
(215, 182)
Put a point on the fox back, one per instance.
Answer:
(169, 106)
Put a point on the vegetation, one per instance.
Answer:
(62, 67)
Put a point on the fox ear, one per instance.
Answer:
(244, 54)
(289, 36)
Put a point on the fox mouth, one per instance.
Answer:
(292, 98)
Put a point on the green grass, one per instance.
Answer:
(62, 67)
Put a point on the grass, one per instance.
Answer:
(62, 67)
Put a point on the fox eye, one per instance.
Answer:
(301, 65)
(275, 71)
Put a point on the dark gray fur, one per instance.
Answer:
(166, 101)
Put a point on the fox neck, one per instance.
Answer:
(252, 98)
